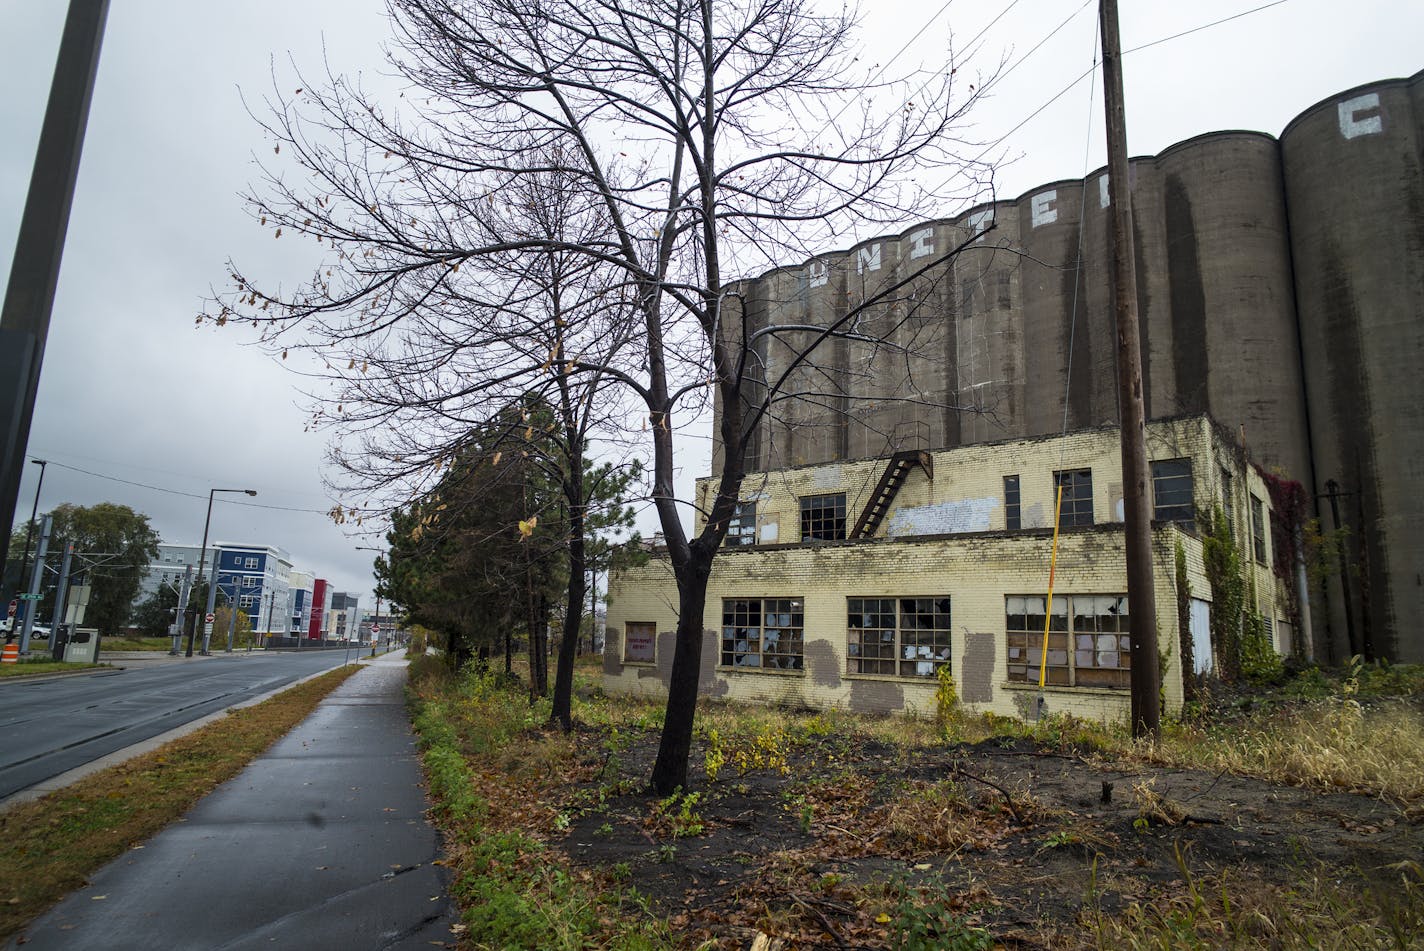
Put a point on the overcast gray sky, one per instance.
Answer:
(132, 391)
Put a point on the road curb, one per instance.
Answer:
(55, 783)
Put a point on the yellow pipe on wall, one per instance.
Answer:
(1048, 611)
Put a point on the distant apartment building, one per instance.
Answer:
(167, 569)
(258, 578)
(299, 599)
(342, 619)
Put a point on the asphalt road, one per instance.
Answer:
(52, 726)
(320, 843)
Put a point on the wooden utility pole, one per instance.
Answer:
(1137, 504)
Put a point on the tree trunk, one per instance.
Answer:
(670, 770)
(573, 622)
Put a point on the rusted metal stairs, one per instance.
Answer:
(896, 472)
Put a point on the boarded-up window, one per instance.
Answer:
(1088, 640)
(640, 640)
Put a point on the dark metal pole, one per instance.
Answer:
(61, 595)
(202, 558)
(36, 583)
(28, 606)
(34, 273)
(1137, 514)
(1333, 493)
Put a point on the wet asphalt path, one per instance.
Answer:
(51, 726)
(320, 843)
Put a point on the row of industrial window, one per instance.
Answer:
(823, 517)
(1088, 637)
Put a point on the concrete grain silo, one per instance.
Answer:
(1355, 191)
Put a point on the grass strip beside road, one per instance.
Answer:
(30, 666)
(50, 846)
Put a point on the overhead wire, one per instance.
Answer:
(180, 492)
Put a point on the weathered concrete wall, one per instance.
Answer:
(1356, 196)
(1271, 275)
(976, 566)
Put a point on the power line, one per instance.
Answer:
(190, 495)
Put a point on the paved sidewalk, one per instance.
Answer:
(320, 843)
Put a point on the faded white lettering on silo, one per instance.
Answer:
(979, 222)
(1102, 191)
(1354, 118)
(867, 259)
(1041, 207)
(922, 243)
(817, 273)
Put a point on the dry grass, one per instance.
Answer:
(50, 846)
(1337, 744)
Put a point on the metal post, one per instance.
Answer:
(36, 582)
(34, 271)
(1137, 520)
(202, 559)
(29, 531)
(179, 611)
(232, 618)
(61, 594)
(212, 606)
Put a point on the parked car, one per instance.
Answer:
(8, 624)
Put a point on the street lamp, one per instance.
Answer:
(376, 622)
(203, 555)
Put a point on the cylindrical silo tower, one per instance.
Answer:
(1355, 191)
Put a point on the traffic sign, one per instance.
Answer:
(375, 628)
(30, 597)
(209, 618)
(13, 606)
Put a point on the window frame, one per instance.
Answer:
(250, 563)
(1177, 511)
(741, 528)
(1258, 529)
(1075, 502)
(737, 615)
(814, 507)
(1023, 641)
(905, 614)
(1013, 504)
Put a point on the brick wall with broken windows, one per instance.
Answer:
(765, 633)
(906, 637)
(1088, 640)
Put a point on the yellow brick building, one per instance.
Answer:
(849, 584)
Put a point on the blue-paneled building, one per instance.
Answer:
(258, 579)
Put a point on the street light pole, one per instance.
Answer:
(203, 555)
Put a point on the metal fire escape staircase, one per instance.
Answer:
(896, 472)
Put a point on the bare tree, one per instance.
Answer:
(707, 136)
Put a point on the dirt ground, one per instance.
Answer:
(823, 841)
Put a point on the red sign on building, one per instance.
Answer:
(318, 612)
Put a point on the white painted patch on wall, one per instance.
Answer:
(769, 532)
(828, 477)
(943, 518)
(1032, 516)
(922, 243)
(1102, 191)
(817, 273)
(1351, 123)
(1042, 207)
(1120, 509)
(979, 221)
(867, 259)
